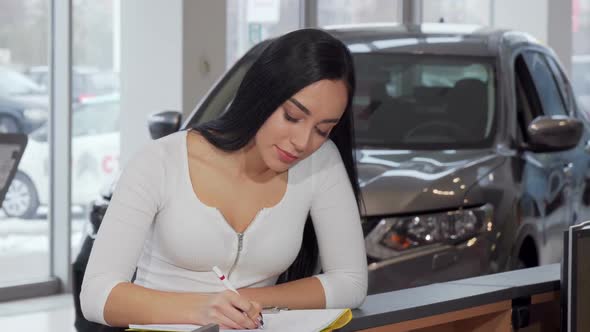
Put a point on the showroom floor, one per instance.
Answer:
(47, 314)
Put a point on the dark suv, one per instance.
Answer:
(472, 153)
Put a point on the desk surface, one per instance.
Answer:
(413, 303)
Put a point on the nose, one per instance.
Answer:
(300, 137)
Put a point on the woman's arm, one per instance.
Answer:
(136, 200)
(132, 304)
(337, 223)
(306, 293)
(128, 304)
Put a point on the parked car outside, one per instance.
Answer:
(472, 154)
(23, 103)
(87, 82)
(95, 157)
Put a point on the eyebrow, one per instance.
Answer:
(306, 111)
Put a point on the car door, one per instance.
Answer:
(580, 155)
(546, 176)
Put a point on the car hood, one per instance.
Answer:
(403, 181)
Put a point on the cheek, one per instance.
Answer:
(272, 130)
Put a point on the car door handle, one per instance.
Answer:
(587, 146)
(567, 169)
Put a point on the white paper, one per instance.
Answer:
(285, 321)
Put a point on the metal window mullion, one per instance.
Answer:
(308, 16)
(60, 142)
(492, 16)
(412, 11)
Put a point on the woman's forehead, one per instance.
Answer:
(322, 95)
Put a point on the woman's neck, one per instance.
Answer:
(244, 164)
(249, 164)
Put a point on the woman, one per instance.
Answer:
(236, 193)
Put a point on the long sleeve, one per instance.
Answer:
(138, 196)
(340, 238)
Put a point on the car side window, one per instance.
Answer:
(545, 83)
(527, 102)
(565, 86)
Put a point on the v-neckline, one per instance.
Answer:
(216, 210)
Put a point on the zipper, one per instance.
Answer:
(240, 240)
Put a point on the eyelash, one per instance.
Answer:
(292, 119)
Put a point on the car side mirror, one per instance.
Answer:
(553, 133)
(164, 123)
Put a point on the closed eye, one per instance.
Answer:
(294, 120)
(322, 133)
(289, 118)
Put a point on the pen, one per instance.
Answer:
(229, 286)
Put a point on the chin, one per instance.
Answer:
(278, 166)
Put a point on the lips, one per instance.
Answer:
(285, 156)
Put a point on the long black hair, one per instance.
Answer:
(288, 64)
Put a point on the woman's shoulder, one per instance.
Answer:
(327, 154)
(161, 150)
(323, 158)
(168, 143)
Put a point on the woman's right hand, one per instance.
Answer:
(230, 311)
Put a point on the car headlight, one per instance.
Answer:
(35, 114)
(392, 236)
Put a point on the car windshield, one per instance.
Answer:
(423, 101)
(14, 83)
(406, 101)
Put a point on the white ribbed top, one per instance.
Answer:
(156, 222)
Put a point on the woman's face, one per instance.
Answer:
(302, 124)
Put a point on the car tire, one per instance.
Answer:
(9, 124)
(21, 199)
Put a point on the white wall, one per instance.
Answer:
(171, 52)
(524, 15)
(559, 35)
(204, 48)
(550, 21)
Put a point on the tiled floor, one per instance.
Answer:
(48, 314)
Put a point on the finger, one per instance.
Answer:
(240, 302)
(224, 322)
(255, 310)
(239, 317)
(245, 306)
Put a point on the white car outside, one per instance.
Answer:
(95, 159)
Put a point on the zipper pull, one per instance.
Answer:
(240, 240)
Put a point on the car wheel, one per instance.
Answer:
(21, 200)
(8, 124)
